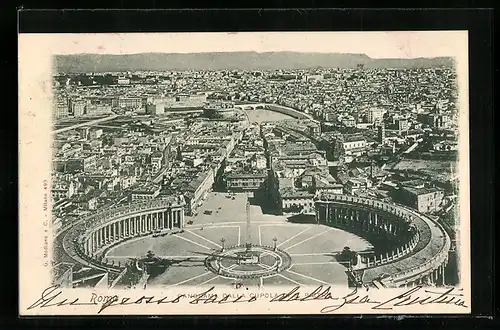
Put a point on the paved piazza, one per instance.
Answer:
(310, 247)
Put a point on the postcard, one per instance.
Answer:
(244, 173)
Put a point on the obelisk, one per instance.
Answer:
(249, 236)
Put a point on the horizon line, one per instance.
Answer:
(260, 52)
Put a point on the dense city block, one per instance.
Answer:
(292, 141)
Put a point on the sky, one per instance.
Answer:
(395, 44)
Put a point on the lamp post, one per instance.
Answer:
(222, 240)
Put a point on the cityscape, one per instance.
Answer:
(318, 175)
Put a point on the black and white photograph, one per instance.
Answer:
(254, 162)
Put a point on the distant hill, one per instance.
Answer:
(411, 63)
(231, 60)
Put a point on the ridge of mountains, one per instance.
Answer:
(78, 63)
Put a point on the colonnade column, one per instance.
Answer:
(96, 240)
(100, 237)
(91, 239)
(90, 245)
(161, 220)
(93, 242)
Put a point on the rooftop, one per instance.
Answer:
(421, 190)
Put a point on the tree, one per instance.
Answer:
(211, 113)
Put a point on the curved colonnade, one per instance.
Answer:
(417, 249)
(97, 233)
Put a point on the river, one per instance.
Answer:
(262, 115)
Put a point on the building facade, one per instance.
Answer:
(145, 192)
(246, 181)
(424, 200)
(402, 124)
(350, 146)
(375, 115)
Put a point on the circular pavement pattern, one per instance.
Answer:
(248, 262)
(305, 254)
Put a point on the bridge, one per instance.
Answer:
(250, 106)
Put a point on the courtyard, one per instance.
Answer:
(311, 247)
